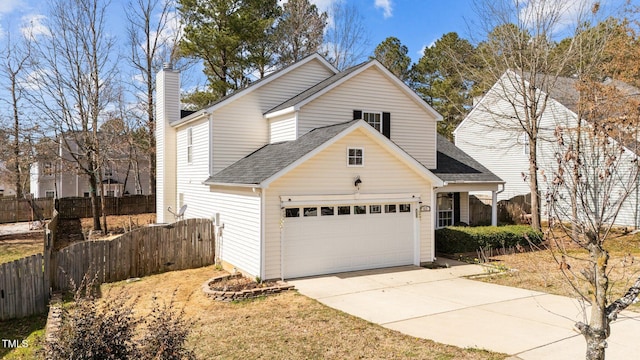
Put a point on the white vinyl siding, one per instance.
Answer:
(239, 128)
(326, 173)
(240, 243)
(196, 195)
(282, 128)
(412, 127)
(464, 208)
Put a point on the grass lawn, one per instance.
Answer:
(539, 271)
(14, 247)
(283, 326)
(30, 329)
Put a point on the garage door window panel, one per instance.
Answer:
(359, 209)
(310, 211)
(344, 210)
(375, 209)
(405, 208)
(292, 212)
(390, 208)
(328, 211)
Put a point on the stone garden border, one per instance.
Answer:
(228, 296)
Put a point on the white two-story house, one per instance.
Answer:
(313, 171)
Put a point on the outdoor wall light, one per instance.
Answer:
(357, 182)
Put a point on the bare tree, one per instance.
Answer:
(347, 39)
(15, 64)
(75, 79)
(152, 42)
(518, 57)
(299, 31)
(598, 170)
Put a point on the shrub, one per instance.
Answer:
(107, 330)
(457, 239)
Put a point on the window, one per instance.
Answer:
(344, 210)
(85, 194)
(373, 119)
(355, 156)
(375, 209)
(524, 139)
(107, 171)
(189, 145)
(48, 169)
(445, 209)
(49, 194)
(405, 207)
(359, 209)
(111, 193)
(292, 212)
(327, 211)
(310, 211)
(390, 208)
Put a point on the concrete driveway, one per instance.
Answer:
(444, 306)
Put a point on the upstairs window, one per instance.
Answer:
(373, 119)
(189, 145)
(48, 168)
(355, 156)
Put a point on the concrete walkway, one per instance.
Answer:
(443, 306)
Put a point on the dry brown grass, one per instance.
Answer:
(283, 326)
(119, 224)
(539, 270)
(17, 246)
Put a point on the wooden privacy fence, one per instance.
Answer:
(183, 245)
(16, 210)
(80, 207)
(22, 290)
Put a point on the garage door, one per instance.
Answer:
(328, 239)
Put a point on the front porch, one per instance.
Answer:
(453, 206)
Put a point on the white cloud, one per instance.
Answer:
(386, 7)
(7, 6)
(33, 26)
(565, 14)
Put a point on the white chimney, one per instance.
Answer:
(167, 111)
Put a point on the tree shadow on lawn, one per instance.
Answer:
(30, 329)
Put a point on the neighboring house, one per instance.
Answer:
(6, 188)
(313, 171)
(491, 133)
(58, 175)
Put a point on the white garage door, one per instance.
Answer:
(327, 239)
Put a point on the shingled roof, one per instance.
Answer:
(317, 88)
(454, 165)
(271, 158)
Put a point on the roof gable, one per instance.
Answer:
(454, 165)
(314, 92)
(272, 161)
(189, 116)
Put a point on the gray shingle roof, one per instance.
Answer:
(454, 165)
(316, 88)
(269, 159)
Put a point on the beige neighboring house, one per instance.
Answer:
(6, 188)
(59, 177)
(313, 171)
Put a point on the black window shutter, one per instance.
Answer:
(357, 114)
(386, 124)
(456, 207)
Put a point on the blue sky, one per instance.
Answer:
(417, 23)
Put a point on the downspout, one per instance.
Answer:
(263, 250)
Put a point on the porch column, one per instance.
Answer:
(494, 208)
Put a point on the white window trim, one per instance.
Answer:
(374, 112)
(349, 148)
(189, 145)
(524, 138)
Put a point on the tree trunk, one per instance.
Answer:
(597, 332)
(95, 209)
(16, 139)
(533, 184)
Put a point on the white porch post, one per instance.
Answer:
(494, 208)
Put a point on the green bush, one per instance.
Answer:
(457, 239)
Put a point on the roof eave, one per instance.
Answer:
(226, 184)
(285, 111)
